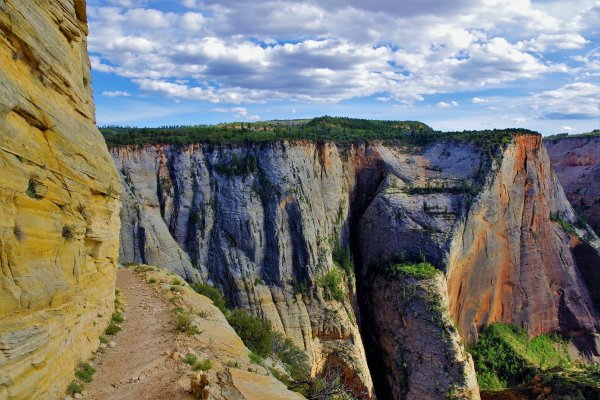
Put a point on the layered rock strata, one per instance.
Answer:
(576, 161)
(59, 201)
(263, 221)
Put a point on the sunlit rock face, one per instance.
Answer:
(261, 222)
(59, 201)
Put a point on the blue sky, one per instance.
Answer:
(461, 64)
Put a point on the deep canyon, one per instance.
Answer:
(305, 233)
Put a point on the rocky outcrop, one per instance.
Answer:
(232, 375)
(266, 222)
(515, 259)
(576, 161)
(260, 222)
(421, 353)
(59, 201)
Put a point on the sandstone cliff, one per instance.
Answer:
(263, 221)
(576, 160)
(264, 234)
(59, 201)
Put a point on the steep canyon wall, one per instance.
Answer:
(59, 201)
(263, 221)
(576, 161)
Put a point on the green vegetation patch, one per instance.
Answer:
(117, 317)
(256, 333)
(184, 322)
(212, 293)
(559, 136)
(205, 365)
(294, 359)
(332, 283)
(190, 359)
(238, 166)
(85, 372)
(422, 270)
(255, 358)
(566, 225)
(343, 258)
(338, 129)
(112, 328)
(506, 356)
(75, 387)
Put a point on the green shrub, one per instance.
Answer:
(205, 365)
(256, 333)
(566, 225)
(422, 270)
(176, 282)
(112, 329)
(151, 280)
(505, 355)
(103, 339)
(294, 359)
(74, 387)
(255, 358)
(117, 317)
(330, 282)
(326, 387)
(342, 256)
(238, 166)
(190, 359)
(212, 293)
(184, 322)
(85, 372)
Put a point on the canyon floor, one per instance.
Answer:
(137, 367)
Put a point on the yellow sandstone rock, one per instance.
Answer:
(232, 375)
(59, 201)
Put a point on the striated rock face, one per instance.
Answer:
(421, 353)
(59, 201)
(261, 221)
(513, 263)
(576, 161)
(258, 221)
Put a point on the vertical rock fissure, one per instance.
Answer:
(368, 182)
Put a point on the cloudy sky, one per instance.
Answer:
(460, 64)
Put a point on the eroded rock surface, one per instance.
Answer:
(262, 231)
(515, 261)
(576, 161)
(59, 201)
(261, 222)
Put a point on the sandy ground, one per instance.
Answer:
(136, 368)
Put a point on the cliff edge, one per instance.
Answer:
(59, 201)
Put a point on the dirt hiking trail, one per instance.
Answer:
(138, 367)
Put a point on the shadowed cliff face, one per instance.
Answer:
(59, 201)
(577, 165)
(261, 222)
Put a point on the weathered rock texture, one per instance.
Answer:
(59, 201)
(232, 376)
(576, 161)
(263, 233)
(421, 353)
(512, 262)
(261, 222)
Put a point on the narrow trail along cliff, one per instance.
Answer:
(137, 367)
